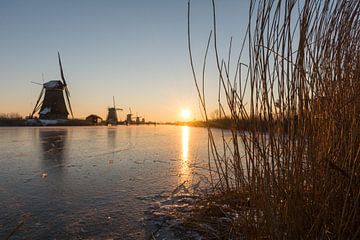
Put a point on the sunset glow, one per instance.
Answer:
(185, 114)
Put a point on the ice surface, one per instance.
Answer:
(95, 187)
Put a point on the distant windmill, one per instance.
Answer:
(53, 104)
(112, 114)
(137, 121)
(129, 117)
(131, 120)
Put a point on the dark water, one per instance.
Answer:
(91, 182)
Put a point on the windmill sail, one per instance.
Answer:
(37, 103)
(61, 70)
(67, 93)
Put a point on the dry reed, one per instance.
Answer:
(299, 179)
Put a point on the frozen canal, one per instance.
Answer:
(91, 182)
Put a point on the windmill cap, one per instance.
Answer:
(53, 84)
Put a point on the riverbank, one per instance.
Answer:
(255, 124)
(69, 122)
(37, 122)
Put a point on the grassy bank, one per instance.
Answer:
(12, 122)
(24, 122)
(298, 180)
(256, 124)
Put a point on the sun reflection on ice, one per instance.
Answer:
(185, 143)
(185, 170)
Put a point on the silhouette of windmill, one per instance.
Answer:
(51, 103)
(112, 114)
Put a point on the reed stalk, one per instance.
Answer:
(295, 172)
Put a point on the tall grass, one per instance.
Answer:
(301, 177)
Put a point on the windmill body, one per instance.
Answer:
(53, 104)
(129, 118)
(112, 116)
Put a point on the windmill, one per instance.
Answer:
(51, 103)
(112, 114)
(137, 121)
(129, 117)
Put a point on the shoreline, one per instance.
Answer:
(53, 123)
(37, 123)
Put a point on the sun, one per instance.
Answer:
(185, 114)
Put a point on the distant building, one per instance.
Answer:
(94, 119)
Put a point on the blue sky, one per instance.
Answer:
(135, 50)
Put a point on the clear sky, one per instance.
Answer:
(135, 50)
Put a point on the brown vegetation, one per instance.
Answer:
(7, 116)
(301, 177)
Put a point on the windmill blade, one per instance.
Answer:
(61, 70)
(37, 102)
(120, 109)
(114, 101)
(68, 100)
(67, 91)
(36, 83)
(39, 106)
